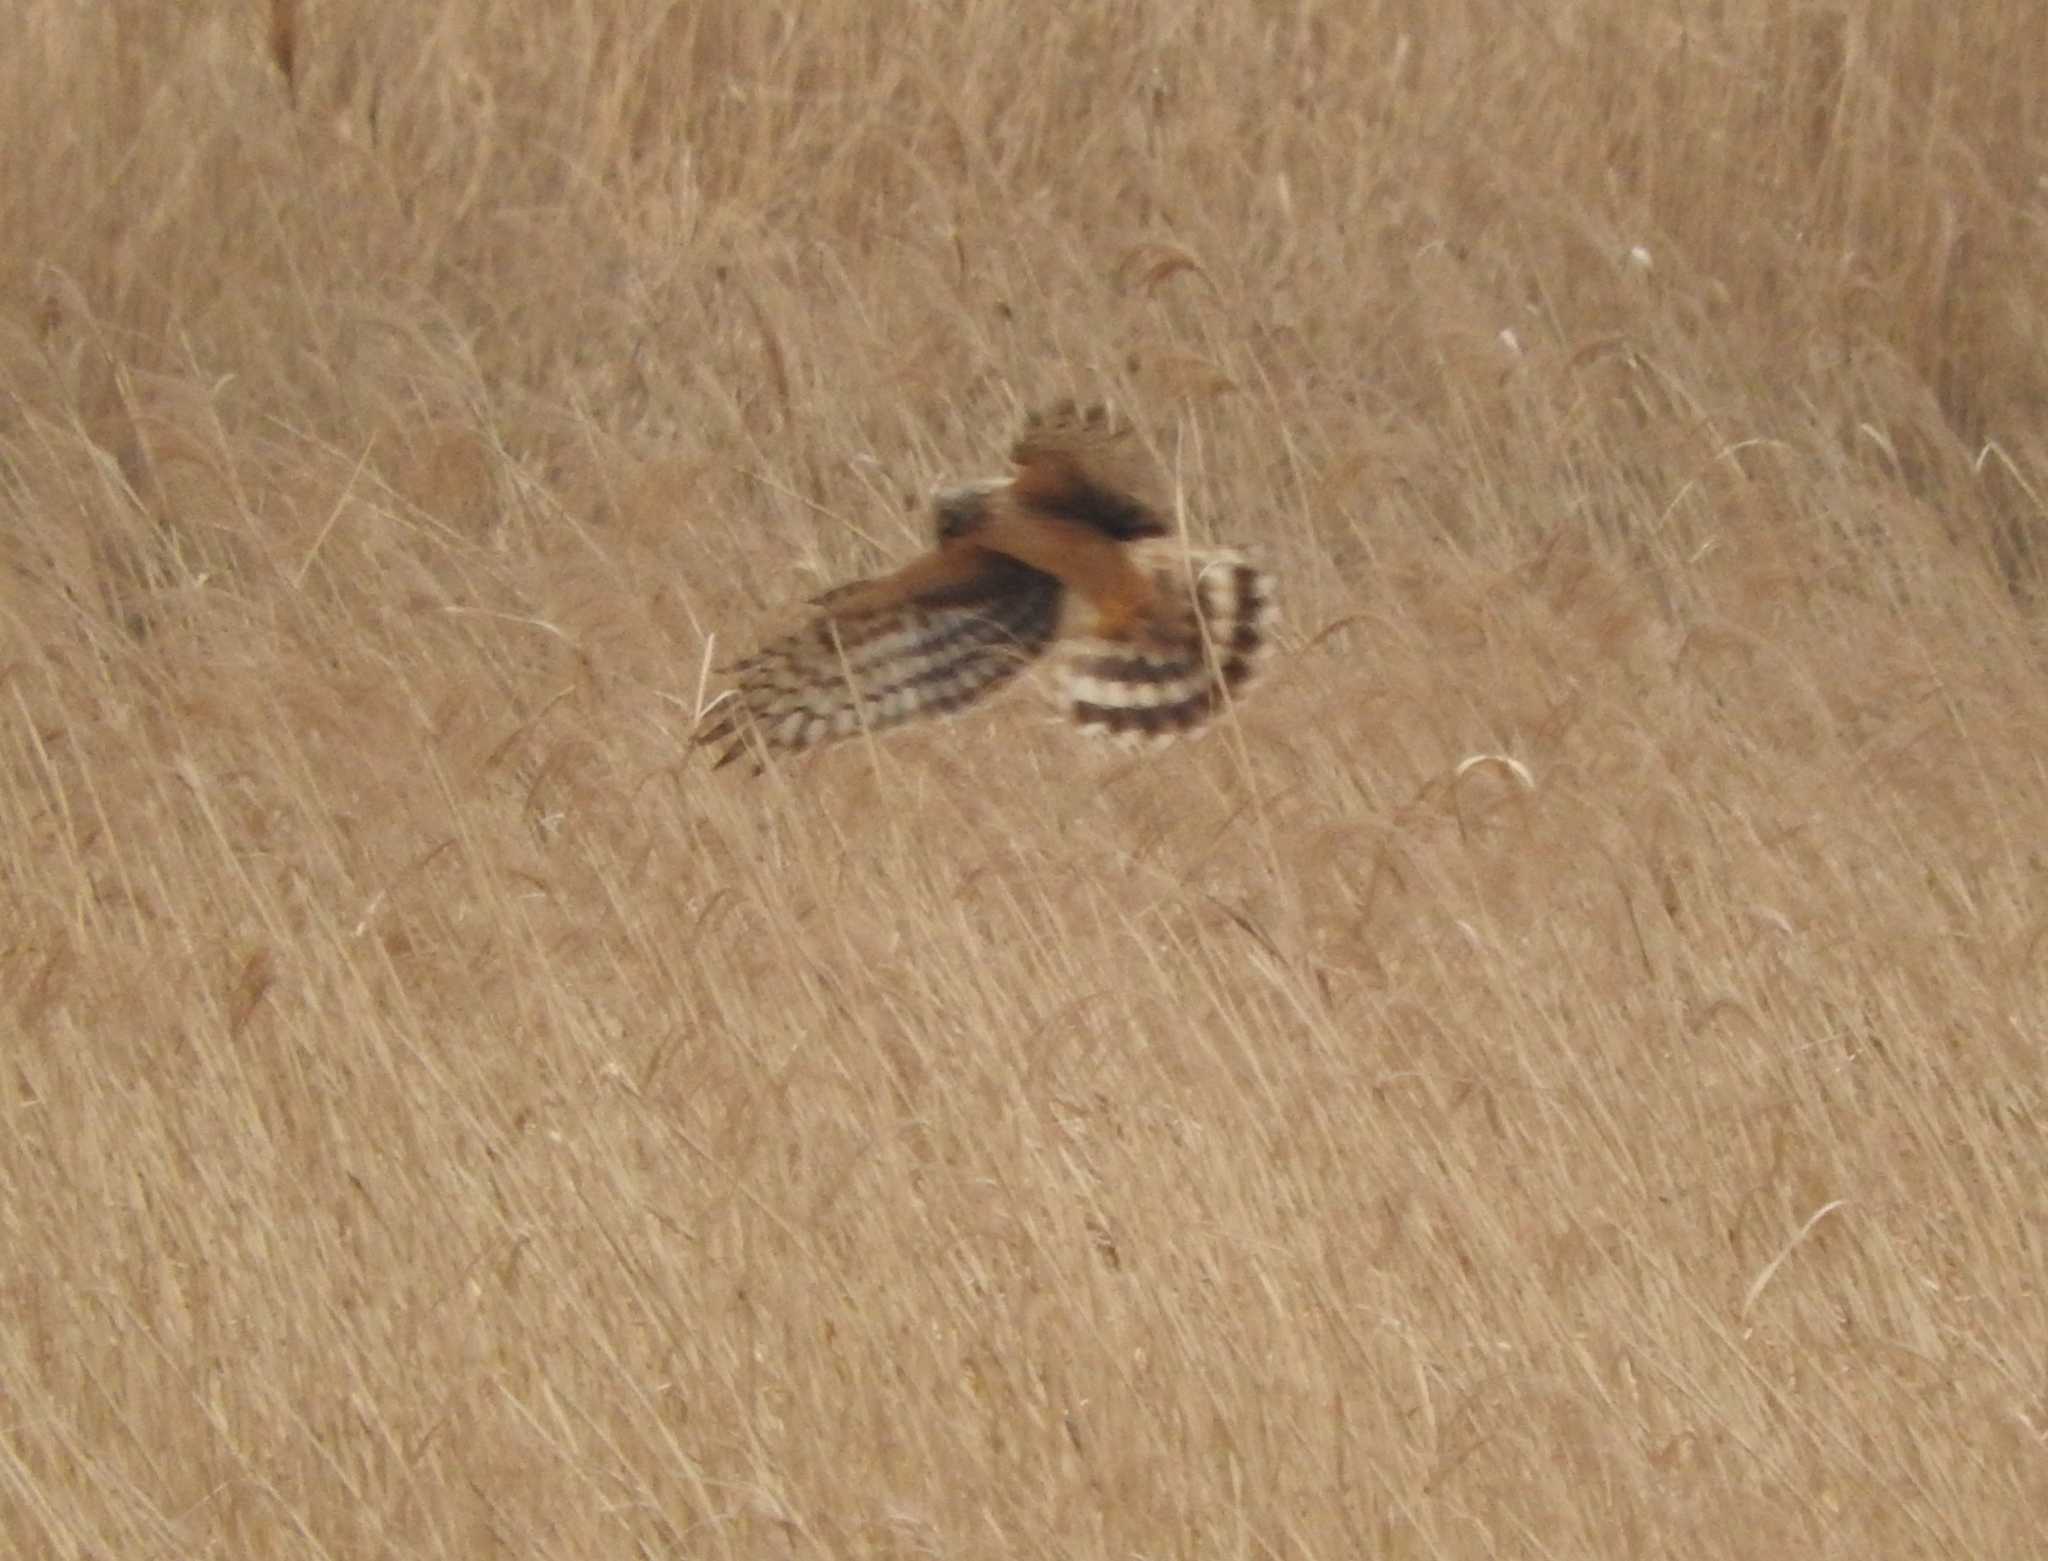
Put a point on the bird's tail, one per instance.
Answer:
(1205, 642)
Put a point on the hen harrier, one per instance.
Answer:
(1070, 555)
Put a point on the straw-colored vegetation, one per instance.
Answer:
(1561, 1073)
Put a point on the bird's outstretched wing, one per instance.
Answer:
(950, 628)
(1087, 464)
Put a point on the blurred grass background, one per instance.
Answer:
(1562, 1075)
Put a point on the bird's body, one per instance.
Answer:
(1070, 554)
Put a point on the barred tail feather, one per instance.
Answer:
(1189, 662)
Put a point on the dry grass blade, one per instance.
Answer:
(284, 43)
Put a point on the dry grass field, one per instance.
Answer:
(1559, 1073)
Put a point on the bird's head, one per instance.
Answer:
(959, 512)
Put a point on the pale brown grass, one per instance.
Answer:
(440, 1119)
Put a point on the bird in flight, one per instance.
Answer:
(1069, 558)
